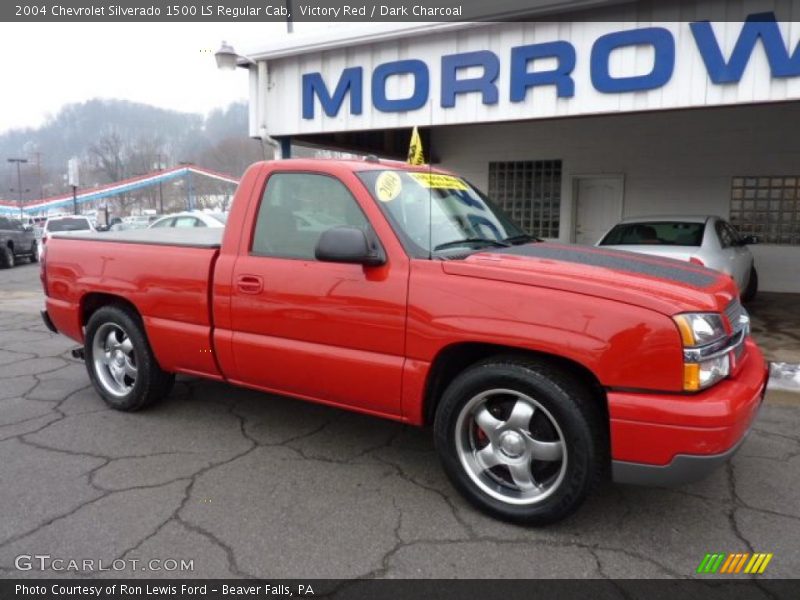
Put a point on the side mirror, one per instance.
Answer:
(746, 240)
(28, 228)
(349, 245)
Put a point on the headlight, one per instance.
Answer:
(702, 335)
(699, 376)
(699, 329)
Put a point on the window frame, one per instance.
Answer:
(250, 252)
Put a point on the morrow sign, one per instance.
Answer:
(480, 72)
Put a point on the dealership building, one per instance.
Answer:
(570, 125)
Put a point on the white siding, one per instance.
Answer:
(689, 85)
(673, 162)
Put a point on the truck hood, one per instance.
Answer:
(662, 284)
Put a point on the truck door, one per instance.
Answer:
(320, 330)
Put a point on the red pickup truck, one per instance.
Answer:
(404, 293)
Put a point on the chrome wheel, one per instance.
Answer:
(114, 359)
(511, 446)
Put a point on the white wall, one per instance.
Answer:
(673, 162)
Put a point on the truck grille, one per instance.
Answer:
(740, 323)
(735, 312)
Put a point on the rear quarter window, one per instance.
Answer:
(655, 233)
(68, 225)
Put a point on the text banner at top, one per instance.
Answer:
(407, 11)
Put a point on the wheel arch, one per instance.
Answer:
(455, 358)
(93, 301)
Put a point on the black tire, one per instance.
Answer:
(34, 255)
(6, 258)
(581, 428)
(752, 286)
(150, 384)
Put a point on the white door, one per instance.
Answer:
(598, 207)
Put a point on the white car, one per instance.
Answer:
(65, 224)
(137, 221)
(704, 240)
(191, 219)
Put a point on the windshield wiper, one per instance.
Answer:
(475, 240)
(521, 239)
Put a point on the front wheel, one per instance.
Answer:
(6, 257)
(34, 252)
(521, 439)
(119, 360)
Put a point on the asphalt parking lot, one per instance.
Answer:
(246, 484)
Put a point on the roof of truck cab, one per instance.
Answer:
(356, 164)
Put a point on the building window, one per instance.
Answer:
(530, 192)
(768, 207)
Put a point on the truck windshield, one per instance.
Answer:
(437, 213)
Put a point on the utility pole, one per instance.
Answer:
(187, 178)
(161, 167)
(38, 156)
(72, 176)
(19, 161)
(289, 20)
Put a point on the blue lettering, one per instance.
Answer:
(418, 98)
(760, 26)
(663, 65)
(452, 86)
(784, 61)
(522, 79)
(350, 81)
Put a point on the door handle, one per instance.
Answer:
(249, 284)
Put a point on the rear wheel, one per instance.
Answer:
(6, 257)
(752, 286)
(119, 360)
(521, 439)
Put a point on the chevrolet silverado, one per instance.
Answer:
(542, 368)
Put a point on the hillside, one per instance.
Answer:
(115, 139)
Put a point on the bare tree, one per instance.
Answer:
(118, 158)
(109, 156)
(232, 155)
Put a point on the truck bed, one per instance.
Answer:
(198, 237)
(165, 274)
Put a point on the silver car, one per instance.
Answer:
(704, 240)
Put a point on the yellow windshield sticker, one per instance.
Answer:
(388, 186)
(439, 181)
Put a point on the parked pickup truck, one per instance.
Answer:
(17, 240)
(541, 367)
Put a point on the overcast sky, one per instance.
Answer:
(171, 65)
